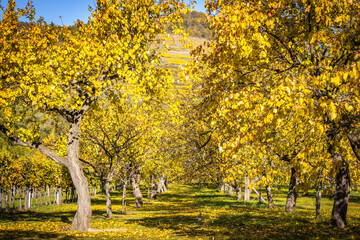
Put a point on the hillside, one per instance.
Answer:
(195, 24)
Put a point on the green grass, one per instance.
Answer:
(175, 215)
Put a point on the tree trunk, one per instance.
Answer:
(1, 200)
(260, 196)
(226, 187)
(66, 195)
(166, 183)
(40, 196)
(13, 198)
(222, 186)
(161, 185)
(318, 195)
(26, 195)
(230, 189)
(20, 198)
(72, 194)
(7, 206)
(123, 202)
(49, 194)
(55, 202)
(269, 197)
(136, 187)
(318, 199)
(61, 195)
(342, 193)
(82, 217)
(247, 189)
(30, 197)
(292, 194)
(238, 191)
(35, 196)
(45, 192)
(153, 187)
(108, 200)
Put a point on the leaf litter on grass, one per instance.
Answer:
(176, 215)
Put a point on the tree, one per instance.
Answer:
(115, 142)
(285, 74)
(49, 72)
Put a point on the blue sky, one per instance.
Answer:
(71, 10)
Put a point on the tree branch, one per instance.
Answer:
(36, 145)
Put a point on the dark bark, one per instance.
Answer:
(135, 177)
(342, 193)
(292, 194)
(1, 200)
(269, 197)
(108, 200)
(123, 202)
(354, 140)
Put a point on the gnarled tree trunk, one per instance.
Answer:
(342, 193)
(109, 213)
(269, 197)
(135, 177)
(82, 217)
(292, 194)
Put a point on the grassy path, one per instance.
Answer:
(175, 215)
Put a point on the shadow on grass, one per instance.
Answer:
(241, 220)
(246, 225)
(32, 216)
(31, 234)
